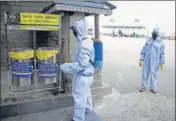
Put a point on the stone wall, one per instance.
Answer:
(17, 38)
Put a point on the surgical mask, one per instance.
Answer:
(154, 35)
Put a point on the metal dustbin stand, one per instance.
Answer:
(21, 68)
(47, 64)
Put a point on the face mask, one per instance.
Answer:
(154, 36)
(75, 33)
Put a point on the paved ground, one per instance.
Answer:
(136, 106)
(122, 72)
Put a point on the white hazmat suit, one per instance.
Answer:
(153, 55)
(82, 71)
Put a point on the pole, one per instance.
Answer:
(97, 30)
(97, 76)
(7, 48)
(35, 61)
(61, 56)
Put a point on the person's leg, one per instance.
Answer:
(89, 101)
(80, 98)
(153, 81)
(154, 74)
(145, 76)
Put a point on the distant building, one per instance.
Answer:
(171, 36)
(124, 30)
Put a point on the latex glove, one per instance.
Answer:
(140, 63)
(161, 67)
(68, 61)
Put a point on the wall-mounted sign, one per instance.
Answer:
(39, 19)
(12, 18)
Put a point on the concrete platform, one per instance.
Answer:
(34, 102)
(64, 114)
(46, 103)
(43, 101)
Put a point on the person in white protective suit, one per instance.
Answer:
(82, 70)
(152, 58)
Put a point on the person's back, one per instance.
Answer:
(88, 45)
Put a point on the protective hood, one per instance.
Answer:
(81, 28)
(156, 30)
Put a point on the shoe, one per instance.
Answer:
(153, 91)
(88, 111)
(142, 90)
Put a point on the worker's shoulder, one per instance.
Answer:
(160, 40)
(149, 40)
(87, 42)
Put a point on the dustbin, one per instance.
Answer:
(21, 66)
(47, 64)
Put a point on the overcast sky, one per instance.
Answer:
(150, 13)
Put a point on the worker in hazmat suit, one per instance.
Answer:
(152, 59)
(82, 70)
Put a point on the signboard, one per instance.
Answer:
(47, 70)
(39, 19)
(21, 70)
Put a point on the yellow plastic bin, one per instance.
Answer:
(47, 64)
(21, 66)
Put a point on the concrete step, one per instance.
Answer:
(104, 90)
(94, 85)
(64, 114)
(41, 104)
(99, 93)
(33, 102)
(48, 102)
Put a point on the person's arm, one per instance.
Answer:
(143, 51)
(81, 63)
(162, 54)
